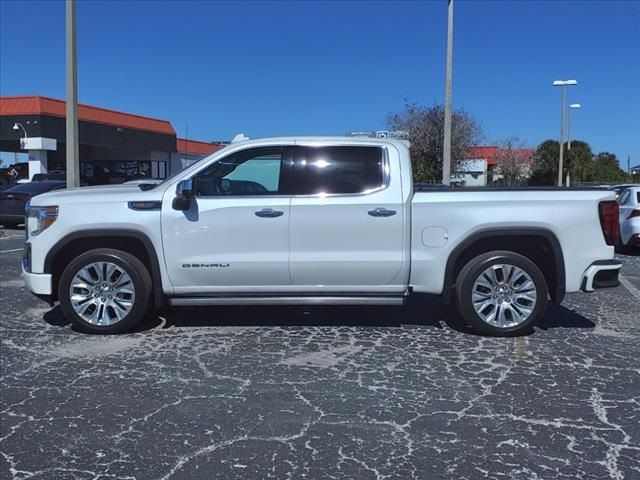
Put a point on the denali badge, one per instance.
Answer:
(205, 265)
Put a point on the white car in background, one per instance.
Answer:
(629, 202)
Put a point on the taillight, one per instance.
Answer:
(609, 221)
(634, 213)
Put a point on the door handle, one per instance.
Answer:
(269, 213)
(381, 212)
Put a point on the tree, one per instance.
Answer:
(425, 126)
(513, 160)
(606, 169)
(544, 170)
(578, 163)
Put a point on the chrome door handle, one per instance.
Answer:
(381, 212)
(269, 213)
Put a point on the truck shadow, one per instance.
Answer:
(422, 311)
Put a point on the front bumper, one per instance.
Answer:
(601, 274)
(38, 283)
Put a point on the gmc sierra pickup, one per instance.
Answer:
(313, 221)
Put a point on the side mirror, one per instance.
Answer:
(184, 194)
(185, 188)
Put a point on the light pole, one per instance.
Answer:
(446, 153)
(563, 84)
(73, 164)
(572, 106)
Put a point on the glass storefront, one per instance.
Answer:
(115, 171)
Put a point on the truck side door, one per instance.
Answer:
(347, 217)
(235, 236)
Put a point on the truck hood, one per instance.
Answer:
(102, 193)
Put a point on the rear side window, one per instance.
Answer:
(337, 170)
(638, 194)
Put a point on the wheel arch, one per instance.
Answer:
(130, 241)
(540, 245)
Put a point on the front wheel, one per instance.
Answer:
(105, 291)
(501, 293)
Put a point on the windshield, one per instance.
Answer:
(150, 186)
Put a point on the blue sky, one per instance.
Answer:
(271, 68)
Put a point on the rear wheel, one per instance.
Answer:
(105, 291)
(501, 293)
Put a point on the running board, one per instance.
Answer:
(290, 300)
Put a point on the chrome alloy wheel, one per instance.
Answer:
(504, 295)
(102, 293)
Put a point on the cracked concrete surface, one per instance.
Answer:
(321, 393)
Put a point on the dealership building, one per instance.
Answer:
(114, 146)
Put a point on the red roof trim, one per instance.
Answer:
(39, 105)
(196, 147)
(490, 153)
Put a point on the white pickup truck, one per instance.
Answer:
(323, 220)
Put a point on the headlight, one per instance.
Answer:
(43, 217)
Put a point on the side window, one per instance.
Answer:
(255, 171)
(337, 170)
(624, 199)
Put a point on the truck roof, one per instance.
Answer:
(324, 139)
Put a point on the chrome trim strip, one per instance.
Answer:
(141, 205)
(290, 300)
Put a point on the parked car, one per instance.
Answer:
(629, 201)
(620, 188)
(14, 199)
(320, 220)
(54, 175)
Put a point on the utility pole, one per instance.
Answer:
(446, 154)
(73, 163)
(563, 84)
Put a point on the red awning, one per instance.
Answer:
(37, 105)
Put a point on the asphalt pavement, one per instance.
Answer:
(256, 393)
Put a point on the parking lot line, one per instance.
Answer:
(12, 250)
(629, 286)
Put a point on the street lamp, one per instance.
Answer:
(563, 84)
(572, 106)
(18, 126)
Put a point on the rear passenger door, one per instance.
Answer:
(346, 227)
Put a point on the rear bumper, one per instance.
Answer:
(601, 274)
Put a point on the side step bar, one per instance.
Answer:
(290, 300)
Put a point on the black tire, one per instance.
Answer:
(140, 278)
(473, 270)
